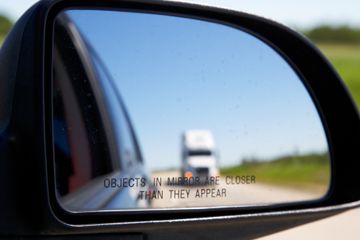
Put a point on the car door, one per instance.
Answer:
(94, 141)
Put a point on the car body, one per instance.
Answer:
(88, 115)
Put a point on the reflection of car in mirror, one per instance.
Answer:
(166, 102)
(94, 141)
(198, 155)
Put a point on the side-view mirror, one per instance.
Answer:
(114, 115)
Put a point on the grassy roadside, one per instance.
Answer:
(346, 60)
(1, 40)
(309, 172)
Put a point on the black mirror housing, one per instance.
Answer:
(28, 204)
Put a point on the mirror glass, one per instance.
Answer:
(154, 111)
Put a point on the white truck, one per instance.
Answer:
(198, 155)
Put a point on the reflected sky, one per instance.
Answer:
(176, 74)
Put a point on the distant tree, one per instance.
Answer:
(5, 25)
(330, 34)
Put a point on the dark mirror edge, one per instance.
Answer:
(201, 13)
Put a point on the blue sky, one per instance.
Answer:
(302, 14)
(300, 133)
(190, 74)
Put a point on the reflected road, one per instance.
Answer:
(223, 194)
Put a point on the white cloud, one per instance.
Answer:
(305, 13)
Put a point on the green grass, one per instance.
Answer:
(309, 172)
(1, 40)
(346, 60)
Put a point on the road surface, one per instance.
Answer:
(223, 194)
(342, 226)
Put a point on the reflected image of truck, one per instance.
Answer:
(199, 158)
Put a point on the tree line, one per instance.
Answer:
(321, 34)
(331, 34)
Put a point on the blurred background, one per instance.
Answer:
(334, 27)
